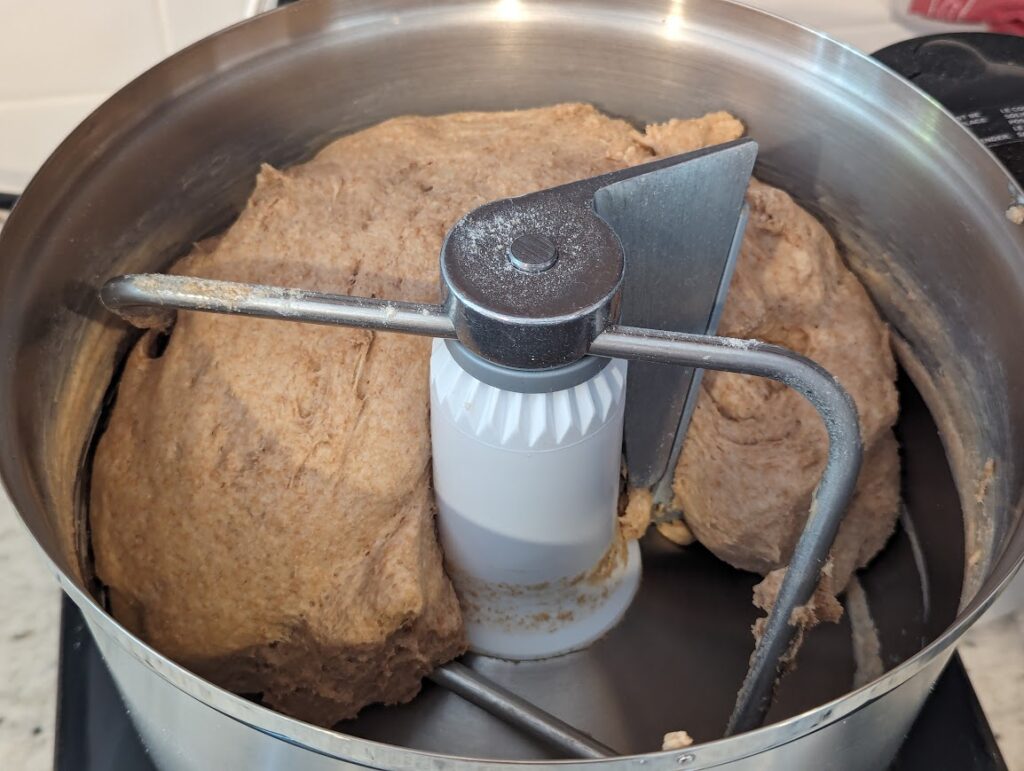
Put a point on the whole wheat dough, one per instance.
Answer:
(261, 507)
(756, 449)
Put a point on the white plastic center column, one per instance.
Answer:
(527, 488)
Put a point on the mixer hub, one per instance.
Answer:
(533, 253)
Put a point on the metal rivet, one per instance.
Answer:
(683, 760)
(532, 253)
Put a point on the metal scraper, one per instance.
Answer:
(681, 229)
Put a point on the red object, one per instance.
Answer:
(1006, 16)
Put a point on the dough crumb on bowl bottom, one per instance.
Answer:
(261, 508)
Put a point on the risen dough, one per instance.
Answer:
(261, 508)
(756, 449)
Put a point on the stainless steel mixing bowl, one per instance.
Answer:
(917, 204)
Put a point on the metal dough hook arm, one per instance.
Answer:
(135, 298)
(150, 300)
(831, 497)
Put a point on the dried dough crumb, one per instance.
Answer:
(677, 532)
(676, 740)
(635, 520)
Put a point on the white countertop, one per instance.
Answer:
(29, 625)
(29, 630)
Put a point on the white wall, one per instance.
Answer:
(63, 57)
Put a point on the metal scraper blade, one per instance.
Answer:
(681, 228)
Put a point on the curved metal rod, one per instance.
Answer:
(136, 297)
(514, 710)
(831, 497)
